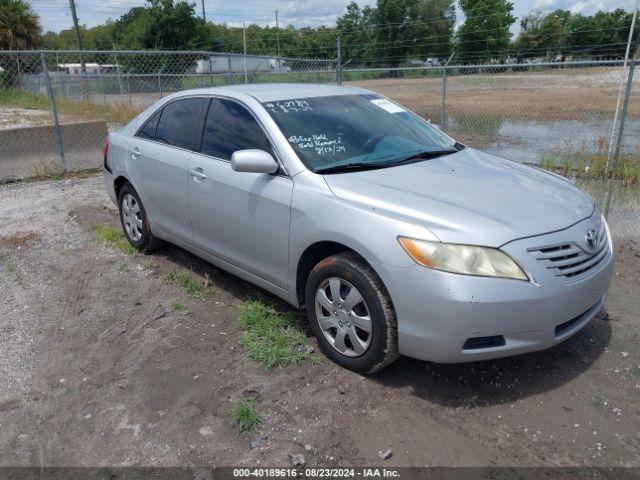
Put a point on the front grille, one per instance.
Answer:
(569, 260)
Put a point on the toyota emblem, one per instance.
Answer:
(591, 238)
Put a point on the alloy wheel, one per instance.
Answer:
(343, 316)
(132, 217)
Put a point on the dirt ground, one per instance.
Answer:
(548, 95)
(96, 370)
(23, 117)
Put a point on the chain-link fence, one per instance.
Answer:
(558, 115)
(95, 91)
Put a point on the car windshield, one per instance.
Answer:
(335, 133)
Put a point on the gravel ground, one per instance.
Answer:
(97, 370)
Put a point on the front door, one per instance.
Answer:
(242, 218)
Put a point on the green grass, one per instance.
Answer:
(121, 113)
(181, 308)
(594, 165)
(149, 264)
(123, 268)
(190, 283)
(270, 338)
(244, 416)
(112, 237)
(9, 266)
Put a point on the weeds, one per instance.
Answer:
(10, 267)
(123, 268)
(149, 264)
(112, 237)
(190, 283)
(181, 308)
(270, 338)
(244, 416)
(121, 113)
(47, 170)
(593, 164)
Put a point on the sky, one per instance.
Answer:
(56, 14)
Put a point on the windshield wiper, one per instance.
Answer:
(360, 166)
(351, 167)
(426, 155)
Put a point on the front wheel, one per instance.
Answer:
(351, 314)
(134, 221)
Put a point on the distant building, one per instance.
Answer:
(92, 68)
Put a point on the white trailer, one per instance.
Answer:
(236, 63)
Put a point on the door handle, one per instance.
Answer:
(198, 174)
(135, 153)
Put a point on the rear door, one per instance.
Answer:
(158, 160)
(242, 218)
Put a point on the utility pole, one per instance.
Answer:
(204, 16)
(83, 66)
(244, 45)
(338, 62)
(278, 40)
(72, 3)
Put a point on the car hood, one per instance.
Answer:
(468, 197)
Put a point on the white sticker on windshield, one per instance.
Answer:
(387, 105)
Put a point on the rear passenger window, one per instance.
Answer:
(179, 122)
(230, 127)
(149, 129)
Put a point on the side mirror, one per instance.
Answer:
(253, 161)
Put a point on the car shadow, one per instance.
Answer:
(469, 385)
(235, 286)
(492, 382)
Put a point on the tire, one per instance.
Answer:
(133, 213)
(334, 329)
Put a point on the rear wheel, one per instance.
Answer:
(351, 314)
(134, 221)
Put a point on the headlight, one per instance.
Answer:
(464, 259)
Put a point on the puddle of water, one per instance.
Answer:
(533, 141)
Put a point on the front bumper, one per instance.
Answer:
(438, 312)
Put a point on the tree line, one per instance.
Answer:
(393, 32)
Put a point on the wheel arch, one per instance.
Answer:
(120, 182)
(315, 253)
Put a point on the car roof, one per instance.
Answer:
(271, 92)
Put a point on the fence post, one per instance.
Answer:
(229, 71)
(19, 74)
(443, 95)
(625, 107)
(129, 85)
(104, 91)
(338, 62)
(160, 82)
(54, 110)
(443, 98)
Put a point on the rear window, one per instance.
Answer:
(149, 129)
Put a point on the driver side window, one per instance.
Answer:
(230, 127)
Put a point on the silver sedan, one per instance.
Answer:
(394, 238)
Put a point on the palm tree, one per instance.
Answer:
(19, 26)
